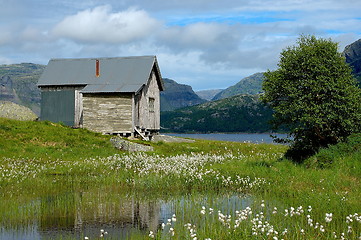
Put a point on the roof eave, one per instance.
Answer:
(158, 74)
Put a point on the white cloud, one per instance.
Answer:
(204, 43)
(101, 25)
(236, 46)
(5, 37)
(33, 34)
(195, 36)
(5, 60)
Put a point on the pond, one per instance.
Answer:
(85, 213)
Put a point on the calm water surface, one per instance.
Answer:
(232, 137)
(79, 214)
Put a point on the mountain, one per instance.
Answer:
(249, 85)
(177, 96)
(241, 113)
(208, 94)
(352, 54)
(18, 84)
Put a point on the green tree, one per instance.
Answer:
(313, 94)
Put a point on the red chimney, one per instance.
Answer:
(97, 68)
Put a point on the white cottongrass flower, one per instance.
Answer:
(286, 213)
(171, 231)
(274, 210)
(309, 221)
(102, 233)
(352, 217)
(203, 211)
(309, 209)
(210, 210)
(328, 217)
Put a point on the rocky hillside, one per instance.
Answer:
(14, 111)
(352, 54)
(241, 113)
(18, 84)
(249, 85)
(177, 96)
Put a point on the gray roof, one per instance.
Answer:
(120, 74)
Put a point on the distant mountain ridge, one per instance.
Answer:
(177, 96)
(248, 85)
(208, 94)
(352, 54)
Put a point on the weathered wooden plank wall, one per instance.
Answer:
(147, 106)
(108, 113)
(78, 109)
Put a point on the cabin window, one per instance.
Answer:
(151, 104)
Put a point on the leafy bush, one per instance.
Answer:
(326, 157)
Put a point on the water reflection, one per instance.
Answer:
(79, 214)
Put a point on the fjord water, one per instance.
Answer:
(76, 214)
(231, 137)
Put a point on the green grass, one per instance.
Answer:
(46, 140)
(48, 168)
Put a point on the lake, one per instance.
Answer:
(232, 137)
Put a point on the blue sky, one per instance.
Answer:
(207, 44)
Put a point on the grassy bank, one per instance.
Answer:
(38, 159)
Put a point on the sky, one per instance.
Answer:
(207, 44)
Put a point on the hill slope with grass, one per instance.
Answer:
(15, 111)
(241, 113)
(342, 155)
(42, 139)
(248, 85)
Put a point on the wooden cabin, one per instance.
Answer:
(109, 95)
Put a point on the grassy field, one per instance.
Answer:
(316, 200)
